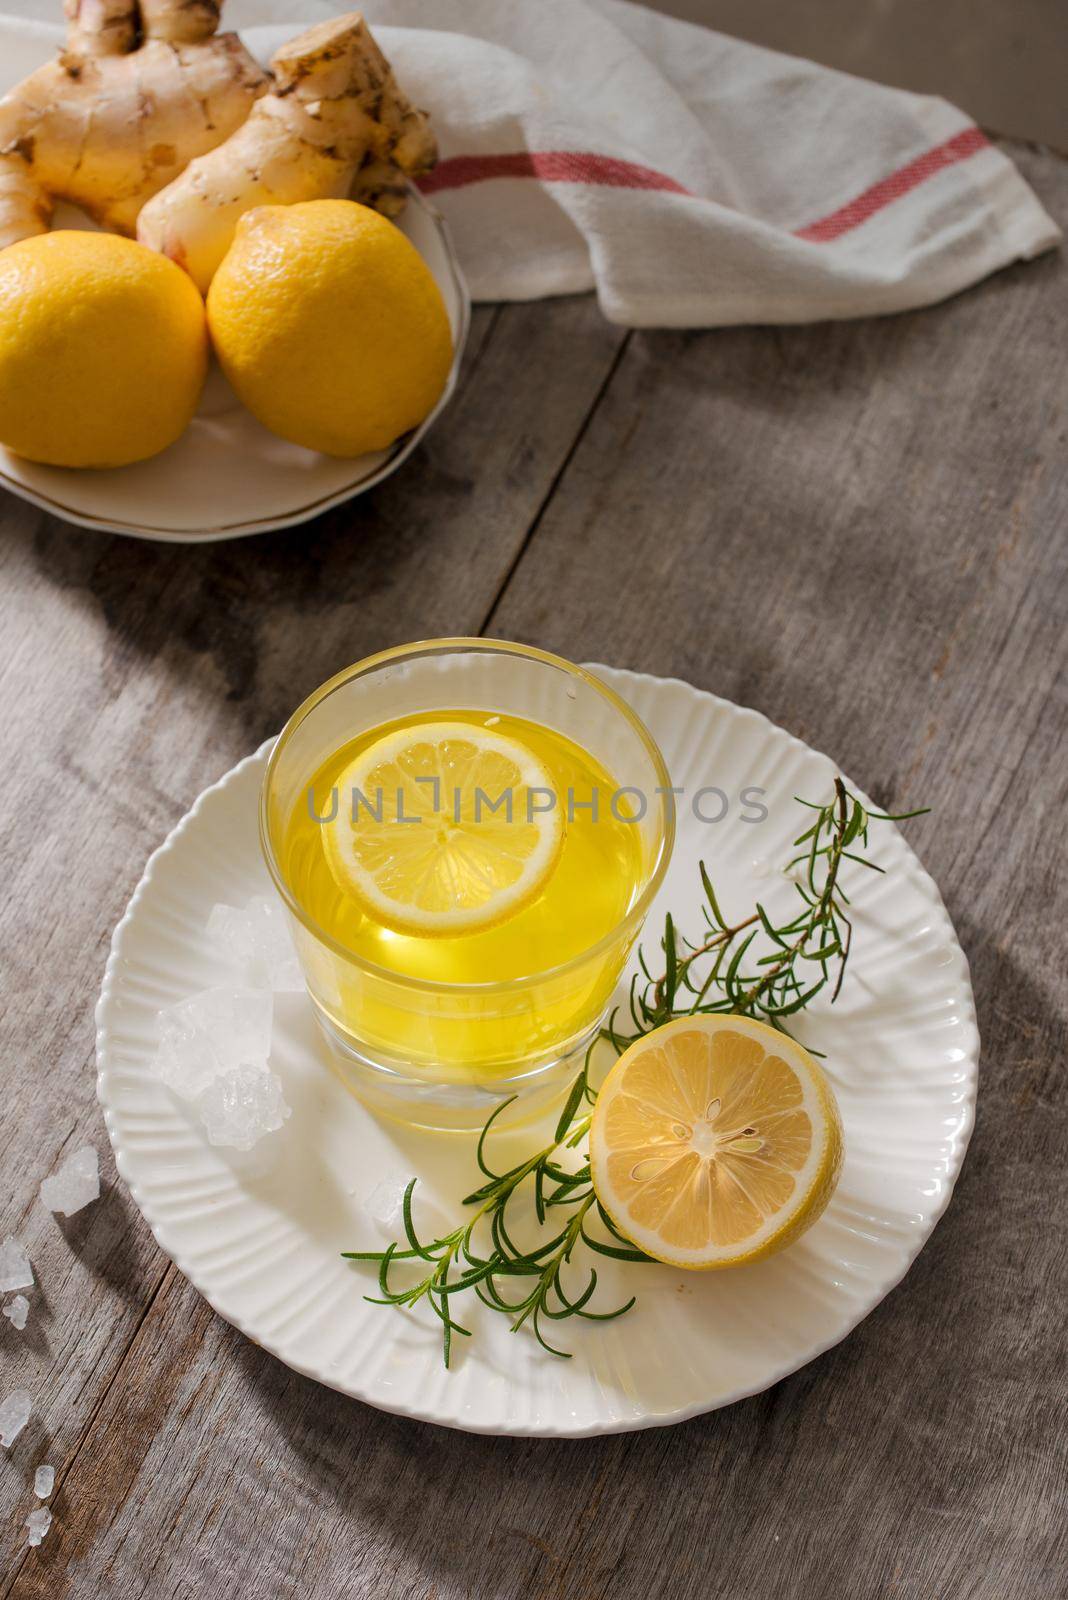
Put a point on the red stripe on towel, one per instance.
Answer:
(962, 145)
(580, 166)
(550, 166)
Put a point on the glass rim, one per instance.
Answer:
(443, 646)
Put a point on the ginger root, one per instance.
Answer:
(142, 88)
(334, 124)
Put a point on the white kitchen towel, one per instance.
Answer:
(691, 179)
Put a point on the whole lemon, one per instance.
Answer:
(329, 326)
(103, 350)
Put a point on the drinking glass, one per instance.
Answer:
(442, 1054)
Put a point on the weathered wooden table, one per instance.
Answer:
(861, 530)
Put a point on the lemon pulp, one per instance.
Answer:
(593, 879)
(716, 1140)
(446, 826)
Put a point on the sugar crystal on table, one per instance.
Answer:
(14, 1415)
(384, 1206)
(17, 1310)
(44, 1480)
(75, 1185)
(385, 1203)
(255, 937)
(210, 1033)
(230, 933)
(241, 1106)
(37, 1524)
(15, 1269)
(273, 945)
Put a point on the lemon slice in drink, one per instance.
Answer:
(444, 828)
(716, 1140)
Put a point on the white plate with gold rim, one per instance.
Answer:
(227, 475)
(261, 1235)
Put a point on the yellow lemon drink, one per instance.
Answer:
(466, 880)
(466, 848)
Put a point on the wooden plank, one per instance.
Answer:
(860, 530)
(134, 675)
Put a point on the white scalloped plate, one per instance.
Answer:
(261, 1235)
(227, 476)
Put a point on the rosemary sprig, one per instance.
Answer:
(808, 951)
(457, 1263)
(805, 954)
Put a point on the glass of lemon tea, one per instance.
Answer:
(467, 834)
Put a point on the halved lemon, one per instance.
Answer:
(444, 828)
(716, 1140)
